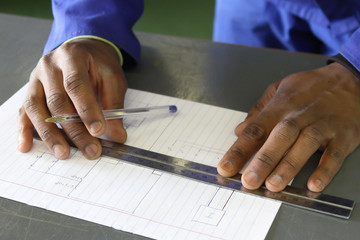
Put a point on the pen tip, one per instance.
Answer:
(50, 120)
(173, 109)
(57, 119)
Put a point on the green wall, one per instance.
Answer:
(187, 18)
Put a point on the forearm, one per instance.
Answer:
(109, 19)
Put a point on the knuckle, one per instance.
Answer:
(56, 101)
(255, 132)
(313, 135)
(77, 135)
(45, 134)
(292, 163)
(45, 65)
(44, 61)
(86, 110)
(73, 82)
(30, 104)
(290, 127)
(258, 107)
(266, 158)
(237, 152)
(337, 157)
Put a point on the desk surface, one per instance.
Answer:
(225, 75)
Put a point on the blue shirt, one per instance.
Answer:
(109, 19)
(318, 26)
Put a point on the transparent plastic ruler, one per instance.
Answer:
(302, 198)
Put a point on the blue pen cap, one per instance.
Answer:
(173, 109)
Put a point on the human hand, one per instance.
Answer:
(295, 117)
(74, 78)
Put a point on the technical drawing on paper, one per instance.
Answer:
(73, 180)
(195, 152)
(138, 199)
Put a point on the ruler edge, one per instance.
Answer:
(104, 141)
(246, 192)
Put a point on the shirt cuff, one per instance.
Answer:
(343, 61)
(102, 40)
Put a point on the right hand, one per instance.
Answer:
(297, 116)
(74, 78)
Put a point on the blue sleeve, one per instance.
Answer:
(109, 19)
(351, 49)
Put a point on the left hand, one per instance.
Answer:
(304, 112)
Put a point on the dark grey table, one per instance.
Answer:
(219, 74)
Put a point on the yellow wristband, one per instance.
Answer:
(100, 39)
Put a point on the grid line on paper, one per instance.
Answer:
(199, 132)
(107, 208)
(257, 215)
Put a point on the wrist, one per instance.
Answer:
(344, 62)
(117, 50)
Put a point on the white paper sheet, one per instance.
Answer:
(136, 199)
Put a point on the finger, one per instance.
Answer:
(250, 140)
(330, 163)
(114, 89)
(37, 112)
(308, 142)
(25, 131)
(78, 86)
(258, 107)
(265, 160)
(59, 103)
(252, 114)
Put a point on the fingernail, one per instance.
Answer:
(20, 142)
(59, 151)
(318, 185)
(95, 127)
(227, 165)
(251, 178)
(275, 180)
(91, 150)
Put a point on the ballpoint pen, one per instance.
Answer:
(116, 113)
